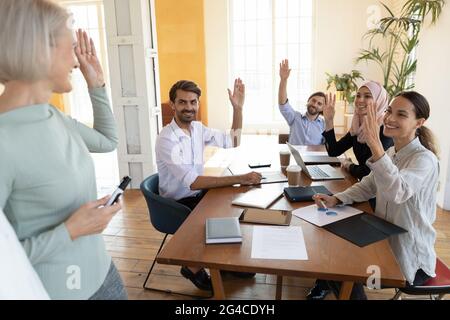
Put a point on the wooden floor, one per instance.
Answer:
(133, 242)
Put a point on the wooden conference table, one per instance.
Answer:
(329, 256)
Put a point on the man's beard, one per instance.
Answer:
(312, 110)
(186, 116)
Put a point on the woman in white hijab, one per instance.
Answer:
(368, 92)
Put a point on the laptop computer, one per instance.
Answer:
(316, 172)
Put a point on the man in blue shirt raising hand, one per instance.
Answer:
(305, 129)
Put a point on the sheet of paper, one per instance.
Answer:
(284, 243)
(321, 218)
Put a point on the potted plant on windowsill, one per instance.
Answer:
(346, 87)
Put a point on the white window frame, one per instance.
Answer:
(101, 51)
(277, 123)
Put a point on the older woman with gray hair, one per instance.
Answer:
(47, 179)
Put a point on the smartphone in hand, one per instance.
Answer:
(118, 192)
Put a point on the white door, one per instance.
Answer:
(133, 64)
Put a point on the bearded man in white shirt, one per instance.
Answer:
(179, 155)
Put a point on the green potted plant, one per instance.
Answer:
(397, 59)
(345, 85)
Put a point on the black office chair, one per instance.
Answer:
(166, 215)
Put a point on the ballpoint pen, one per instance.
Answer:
(324, 207)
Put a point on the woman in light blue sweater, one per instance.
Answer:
(47, 179)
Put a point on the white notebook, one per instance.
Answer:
(223, 230)
(260, 197)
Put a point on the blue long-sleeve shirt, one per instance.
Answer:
(302, 130)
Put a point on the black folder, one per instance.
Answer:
(297, 194)
(364, 229)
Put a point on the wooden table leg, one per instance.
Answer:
(346, 290)
(279, 287)
(216, 279)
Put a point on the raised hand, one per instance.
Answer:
(329, 109)
(87, 57)
(284, 69)
(237, 97)
(371, 131)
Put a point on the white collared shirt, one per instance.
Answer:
(179, 157)
(405, 184)
(18, 279)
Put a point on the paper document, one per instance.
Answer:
(285, 243)
(320, 218)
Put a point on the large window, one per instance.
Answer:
(88, 15)
(263, 32)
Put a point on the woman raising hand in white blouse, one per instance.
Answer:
(404, 181)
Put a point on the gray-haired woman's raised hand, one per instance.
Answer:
(87, 57)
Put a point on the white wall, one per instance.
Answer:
(340, 26)
(217, 66)
(433, 81)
